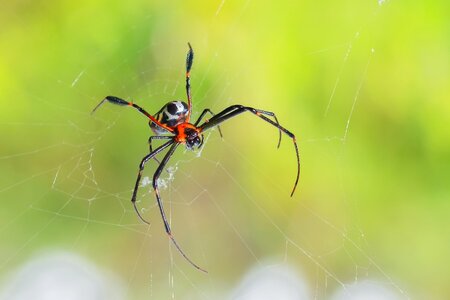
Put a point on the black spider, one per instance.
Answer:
(172, 123)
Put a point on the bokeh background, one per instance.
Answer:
(364, 85)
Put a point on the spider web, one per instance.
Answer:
(228, 204)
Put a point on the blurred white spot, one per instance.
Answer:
(145, 181)
(275, 282)
(61, 275)
(365, 290)
(380, 2)
(172, 170)
(163, 183)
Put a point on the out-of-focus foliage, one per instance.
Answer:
(364, 85)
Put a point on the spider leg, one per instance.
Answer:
(161, 208)
(121, 102)
(205, 111)
(258, 112)
(271, 114)
(235, 110)
(189, 61)
(157, 137)
(141, 169)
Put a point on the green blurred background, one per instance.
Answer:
(363, 84)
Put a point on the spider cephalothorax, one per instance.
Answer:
(171, 123)
(188, 134)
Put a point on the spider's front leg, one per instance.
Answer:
(141, 169)
(202, 115)
(161, 208)
(235, 110)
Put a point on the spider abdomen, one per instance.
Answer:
(171, 114)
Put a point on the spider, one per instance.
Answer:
(172, 123)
